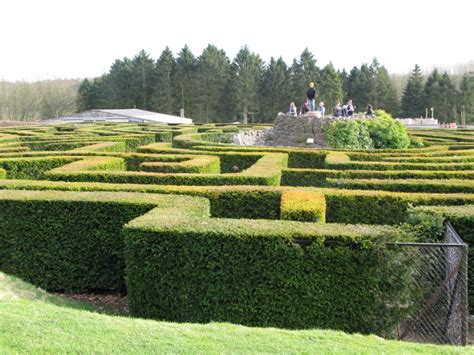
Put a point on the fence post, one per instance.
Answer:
(464, 296)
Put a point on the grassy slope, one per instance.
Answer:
(31, 321)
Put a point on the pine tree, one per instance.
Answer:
(360, 83)
(439, 95)
(466, 98)
(83, 93)
(383, 92)
(303, 72)
(275, 91)
(144, 80)
(186, 81)
(345, 83)
(120, 81)
(447, 105)
(330, 88)
(413, 104)
(163, 99)
(432, 92)
(246, 75)
(213, 74)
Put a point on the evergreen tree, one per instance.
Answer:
(345, 83)
(383, 92)
(121, 82)
(213, 74)
(163, 99)
(246, 75)
(439, 95)
(447, 105)
(466, 99)
(360, 83)
(432, 92)
(186, 82)
(275, 90)
(83, 93)
(330, 88)
(144, 80)
(413, 104)
(303, 72)
(95, 94)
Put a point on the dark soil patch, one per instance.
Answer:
(113, 303)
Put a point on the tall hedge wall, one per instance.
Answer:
(69, 241)
(265, 273)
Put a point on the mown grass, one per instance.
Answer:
(33, 321)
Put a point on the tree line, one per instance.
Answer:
(213, 88)
(27, 101)
(440, 94)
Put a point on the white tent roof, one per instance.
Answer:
(133, 114)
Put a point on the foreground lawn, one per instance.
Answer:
(31, 321)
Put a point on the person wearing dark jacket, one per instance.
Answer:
(304, 107)
(370, 111)
(311, 95)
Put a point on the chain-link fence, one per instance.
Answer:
(433, 307)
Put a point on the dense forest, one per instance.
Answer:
(213, 88)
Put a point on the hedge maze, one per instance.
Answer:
(195, 229)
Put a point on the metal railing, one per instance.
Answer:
(434, 306)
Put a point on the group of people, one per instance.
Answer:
(346, 110)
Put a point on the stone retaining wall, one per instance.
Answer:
(290, 131)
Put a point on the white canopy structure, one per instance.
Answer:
(123, 115)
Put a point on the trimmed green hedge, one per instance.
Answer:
(318, 177)
(203, 164)
(342, 161)
(66, 241)
(306, 158)
(265, 273)
(103, 147)
(303, 206)
(413, 185)
(343, 206)
(62, 244)
(242, 160)
(32, 168)
(266, 171)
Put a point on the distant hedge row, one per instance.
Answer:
(342, 206)
(266, 171)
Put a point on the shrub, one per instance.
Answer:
(416, 142)
(347, 134)
(379, 132)
(385, 132)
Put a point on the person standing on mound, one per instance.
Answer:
(311, 94)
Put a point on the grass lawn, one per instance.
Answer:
(32, 321)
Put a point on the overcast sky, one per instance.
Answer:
(76, 39)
